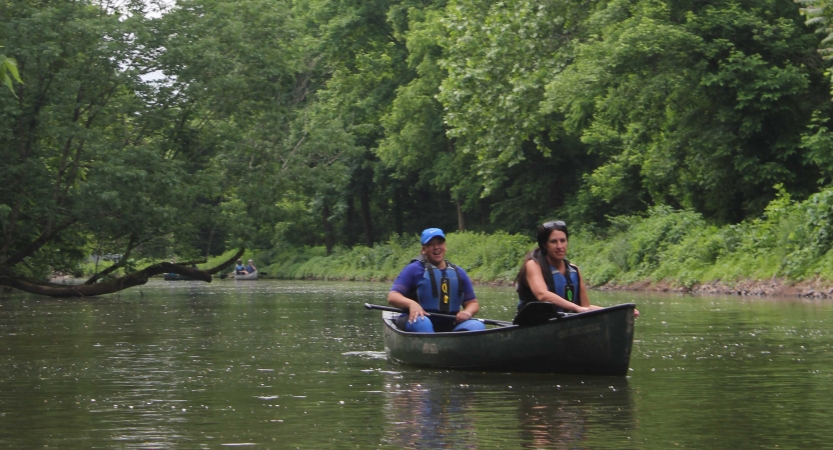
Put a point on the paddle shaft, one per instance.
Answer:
(499, 323)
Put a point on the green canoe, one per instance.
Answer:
(593, 343)
(176, 277)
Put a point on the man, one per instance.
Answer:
(250, 267)
(432, 284)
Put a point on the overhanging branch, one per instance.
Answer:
(116, 284)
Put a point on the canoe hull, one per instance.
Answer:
(594, 343)
(248, 276)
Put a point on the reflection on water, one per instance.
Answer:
(453, 409)
(300, 365)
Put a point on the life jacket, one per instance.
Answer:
(565, 287)
(439, 290)
(239, 269)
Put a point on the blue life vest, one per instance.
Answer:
(440, 290)
(565, 289)
(239, 268)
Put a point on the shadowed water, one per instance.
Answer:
(277, 364)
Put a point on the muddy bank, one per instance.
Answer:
(775, 287)
(817, 288)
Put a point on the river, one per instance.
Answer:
(279, 364)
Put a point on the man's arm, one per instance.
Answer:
(470, 303)
(405, 282)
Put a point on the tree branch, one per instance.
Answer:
(36, 244)
(227, 263)
(116, 284)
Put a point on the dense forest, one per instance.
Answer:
(142, 130)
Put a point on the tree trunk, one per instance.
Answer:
(349, 226)
(329, 240)
(366, 221)
(210, 238)
(397, 211)
(461, 221)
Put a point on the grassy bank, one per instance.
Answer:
(791, 243)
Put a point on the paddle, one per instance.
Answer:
(499, 323)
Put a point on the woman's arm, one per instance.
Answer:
(583, 297)
(539, 289)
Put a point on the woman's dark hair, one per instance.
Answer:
(545, 230)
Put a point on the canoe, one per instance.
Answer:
(592, 343)
(176, 277)
(248, 276)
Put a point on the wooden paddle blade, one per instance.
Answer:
(536, 313)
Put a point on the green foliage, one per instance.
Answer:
(791, 241)
(818, 13)
(8, 72)
(499, 57)
(683, 141)
(487, 258)
(701, 109)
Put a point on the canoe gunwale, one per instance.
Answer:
(247, 276)
(390, 323)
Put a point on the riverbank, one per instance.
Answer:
(786, 252)
(759, 288)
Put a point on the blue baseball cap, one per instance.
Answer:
(430, 233)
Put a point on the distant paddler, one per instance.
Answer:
(239, 269)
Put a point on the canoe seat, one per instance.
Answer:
(536, 313)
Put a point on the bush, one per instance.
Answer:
(792, 240)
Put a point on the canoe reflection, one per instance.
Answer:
(470, 410)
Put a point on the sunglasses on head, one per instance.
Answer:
(554, 223)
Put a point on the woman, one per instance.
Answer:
(547, 276)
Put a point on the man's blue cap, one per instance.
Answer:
(430, 233)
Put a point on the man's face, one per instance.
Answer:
(434, 250)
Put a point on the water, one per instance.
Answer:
(276, 364)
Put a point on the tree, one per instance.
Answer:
(84, 166)
(8, 71)
(693, 106)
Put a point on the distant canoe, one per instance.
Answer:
(249, 276)
(176, 277)
(592, 343)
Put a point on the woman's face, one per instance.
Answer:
(557, 245)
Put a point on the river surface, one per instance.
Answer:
(277, 364)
